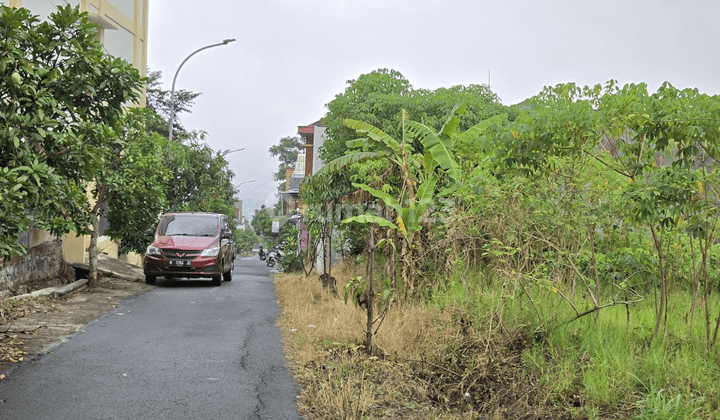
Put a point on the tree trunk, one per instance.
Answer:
(392, 235)
(370, 291)
(329, 270)
(591, 233)
(325, 247)
(407, 270)
(706, 288)
(405, 274)
(660, 311)
(93, 250)
(695, 284)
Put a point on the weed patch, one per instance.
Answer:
(427, 363)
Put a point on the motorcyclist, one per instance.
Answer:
(261, 253)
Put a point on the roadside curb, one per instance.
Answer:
(55, 291)
(107, 266)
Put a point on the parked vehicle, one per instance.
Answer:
(274, 256)
(192, 245)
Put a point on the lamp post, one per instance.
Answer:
(227, 152)
(172, 90)
(244, 182)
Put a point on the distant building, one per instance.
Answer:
(314, 138)
(307, 163)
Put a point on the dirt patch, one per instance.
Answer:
(29, 327)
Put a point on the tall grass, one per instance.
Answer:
(604, 367)
(492, 348)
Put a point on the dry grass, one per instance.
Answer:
(430, 366)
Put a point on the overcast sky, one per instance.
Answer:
(292, 57)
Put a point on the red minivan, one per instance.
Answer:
(190, 245)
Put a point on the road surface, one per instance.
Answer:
(183, 350)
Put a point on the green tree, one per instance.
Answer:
(138, 184)
(60, 98)
(245, 239)
(200, 177)
(158, 100)
(418, 191)
(664, 145)
(262, 221)
(321, 192)
(286, 151)
(378, 97)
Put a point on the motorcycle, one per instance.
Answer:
(262, 254)
(274, 256)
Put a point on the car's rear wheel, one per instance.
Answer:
(216, 280)
(150, 279)
(227, 276)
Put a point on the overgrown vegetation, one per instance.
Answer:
(574, 259)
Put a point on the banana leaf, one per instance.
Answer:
(440, 148)
(346, 160)
(385, 197)
(371, 219)
(380, 140)
(476, 130)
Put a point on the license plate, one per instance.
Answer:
(179, 263)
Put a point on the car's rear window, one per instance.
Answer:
(188, 225)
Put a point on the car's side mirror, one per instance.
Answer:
(227, 234)
(150, 233)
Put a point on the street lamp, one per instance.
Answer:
(245, 182)
(172, 90)
(227, 152)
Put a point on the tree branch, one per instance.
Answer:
(597, 308)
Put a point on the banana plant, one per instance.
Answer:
(409, 218)
(420, 178)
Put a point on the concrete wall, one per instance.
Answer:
(42, 266)
(318, 142)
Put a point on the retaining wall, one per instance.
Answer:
(42, 266)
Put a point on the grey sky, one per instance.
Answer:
(292, 57)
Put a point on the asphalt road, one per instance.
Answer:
(184, 350)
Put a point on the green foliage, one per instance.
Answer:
(591, 213)
(375, 98)
(60, 99)
(288, 236)
(378, 97)
(153, 175)
(609, 365)
(262, 221)
(352, 237)
(355, 290)
(287, 152)
(137, 182)
(595, 210)
(200, 178)
(158, 100)
(245, 239)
